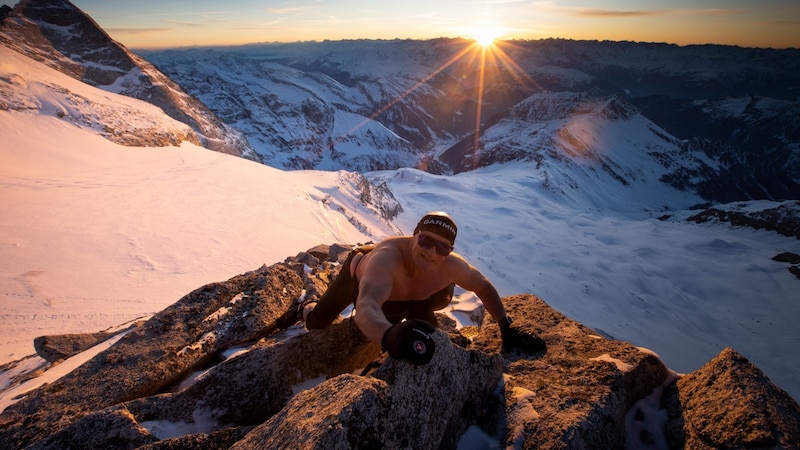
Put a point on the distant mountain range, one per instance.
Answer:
(719, 121)
(722, 121)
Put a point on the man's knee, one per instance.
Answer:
(316, 322)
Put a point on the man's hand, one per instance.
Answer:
(515, 338)
(410, 340)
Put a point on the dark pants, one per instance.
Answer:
(343, 291)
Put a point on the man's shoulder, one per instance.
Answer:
(458, 264)
(389, 248)
(393, 243)
(456, 258)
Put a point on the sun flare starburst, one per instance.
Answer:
(485, 35)
(488, 62)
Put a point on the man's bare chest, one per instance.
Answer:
(417, 287)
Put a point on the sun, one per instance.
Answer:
(485, 35)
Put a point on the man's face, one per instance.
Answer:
(430, 249)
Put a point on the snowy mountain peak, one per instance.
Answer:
(61, 36)
(30, 87)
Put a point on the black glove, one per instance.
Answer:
(515, 338)
(410, 340)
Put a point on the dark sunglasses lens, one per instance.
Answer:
(441, 249)
(424, 241)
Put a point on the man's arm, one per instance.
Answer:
(410, 340)
(491, 301)
(513, 338)
(473, 280)
(374, 289)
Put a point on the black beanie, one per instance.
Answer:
(439, 223)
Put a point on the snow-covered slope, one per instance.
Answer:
(585, 146)
(95, 234)
(60, 35)
(33, 88)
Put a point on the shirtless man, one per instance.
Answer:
(410, 277)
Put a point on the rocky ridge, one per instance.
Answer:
(212, 370)
(783, 218)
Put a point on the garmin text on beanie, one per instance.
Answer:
(439, 223)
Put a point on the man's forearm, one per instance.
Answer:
(371, 321)
(491, 301)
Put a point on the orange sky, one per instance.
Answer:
(164, 23)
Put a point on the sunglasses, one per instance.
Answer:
(428, 242)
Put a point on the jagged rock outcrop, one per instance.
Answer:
(578, 393)
(58, 34)
(213, 371)
(54, 348)
(156, 354)
(730, 403)
(783, 218)
(792, 258)
(398, 406)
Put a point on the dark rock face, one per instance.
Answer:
(212, 371)
(791, 258)
(59, 28)
(784, 218)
